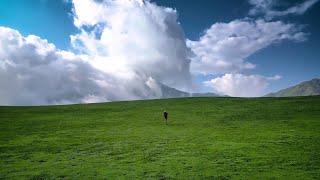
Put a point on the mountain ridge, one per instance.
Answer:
(305, 88)
(169, 92)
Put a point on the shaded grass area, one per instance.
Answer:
(209, 138)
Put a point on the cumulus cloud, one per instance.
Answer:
(241, 85)
(33, 71)
(267, 8)
(124, 50)
(224, 47)
(133, 36)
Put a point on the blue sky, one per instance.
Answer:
(45, 18)
(296, 62)
(293, 61)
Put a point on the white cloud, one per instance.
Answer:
(266, 7)
(224, 47)
(125, 48)
(241, 85)
(133, 36)
(34, 72)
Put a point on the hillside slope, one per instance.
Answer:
(169, 92)
(206, 138)
(307, 88)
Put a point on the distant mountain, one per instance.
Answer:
(208, 94)
(307, 88)
(169, 92)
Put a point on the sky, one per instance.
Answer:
(82, 51)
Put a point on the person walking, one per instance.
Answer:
(165, 115)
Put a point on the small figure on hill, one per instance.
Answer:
(165, 115)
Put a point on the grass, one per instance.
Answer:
(206, 138)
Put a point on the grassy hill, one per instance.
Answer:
(209, 138)
(306, 88)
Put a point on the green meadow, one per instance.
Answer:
(206, 138)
